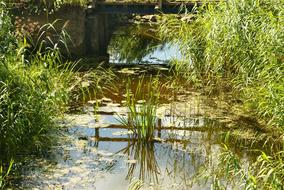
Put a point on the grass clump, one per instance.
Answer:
(142, 105)
(135, 184)
(34, 91)
(31, 96)
(238, 44)
(229, 170)
(265, 173)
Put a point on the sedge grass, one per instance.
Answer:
(142, 105)
(135, 184)
(4, 173)
(239, 44)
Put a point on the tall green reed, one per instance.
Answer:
(265, 173)
(238, 44)
(135, 184)
(142, 105)
(229, 170)
(4, 174)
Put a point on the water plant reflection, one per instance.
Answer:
(144, 161)
(134, 44)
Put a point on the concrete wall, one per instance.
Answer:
(72, 19)
(90, 35)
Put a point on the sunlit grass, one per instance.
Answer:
(135, 184)
(142, 105)
(237, 44)
(34, 91)
(4, 173)
(267, 172)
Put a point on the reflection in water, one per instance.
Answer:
(140, 44)
(96, 152)
(142, 161)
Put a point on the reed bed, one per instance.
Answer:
(142, 105)
(238, 44)
(264, 173)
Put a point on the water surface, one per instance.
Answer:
(96, 152)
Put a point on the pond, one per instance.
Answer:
(96, 151)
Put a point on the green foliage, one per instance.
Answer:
(7, 39)
(31, 95)
(5, 173)
(240, 42)
(267, 172)
(142, 104)
(135, 184)
(92, 84)
(234, 172)
(137, 42)
(33, 91)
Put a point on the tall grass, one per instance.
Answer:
(231, 171)
(31, 96)
(135, 184)
(239, 43)
(142, 105)
(265, 173)
(34, 91)
(4, 174)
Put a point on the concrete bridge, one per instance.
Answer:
(91, 28)
(100, 19)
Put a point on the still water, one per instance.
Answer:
(96, 152)
(139, 45)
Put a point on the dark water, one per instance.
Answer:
(96, 152)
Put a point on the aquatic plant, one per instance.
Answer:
(265, 173)
(92, 84)
(142, 105)
(236, 44)
(135, 184)
(230, 170)
(4, 174)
